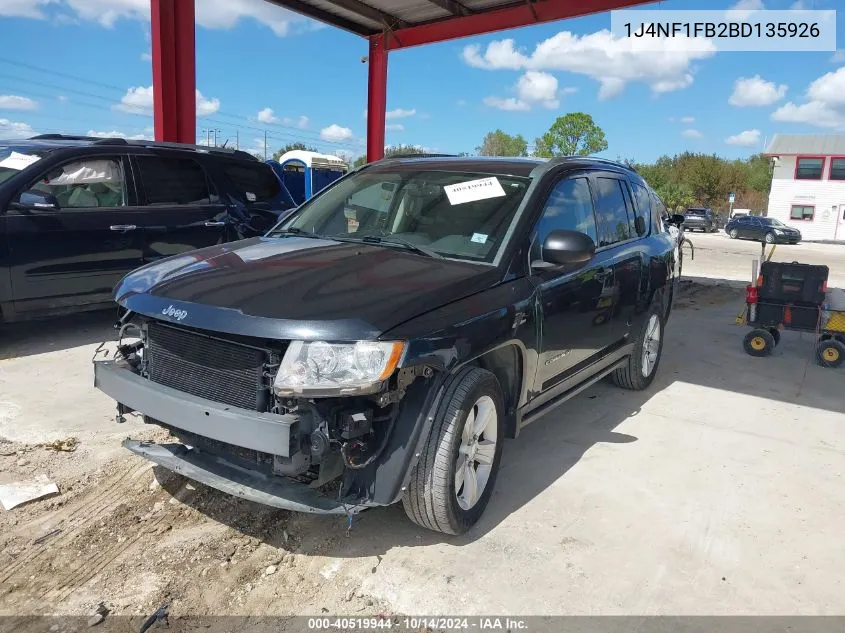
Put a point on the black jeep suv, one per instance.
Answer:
(382, 342)
(699, 219)
(79, 213)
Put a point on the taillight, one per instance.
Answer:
(824, 286)
(751, 294)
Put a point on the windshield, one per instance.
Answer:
(13, 161)
(440, 213)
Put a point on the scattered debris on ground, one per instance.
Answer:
(20, 492)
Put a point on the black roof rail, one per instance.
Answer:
(117, 140)
(420, 156)
(61, 137)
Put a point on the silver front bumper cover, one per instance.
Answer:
(264, 432)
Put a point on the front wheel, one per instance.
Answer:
(454, 476)
(733, 233)
(641, 366)
(770, 238)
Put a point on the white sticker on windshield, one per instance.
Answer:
(18, 161)
(473, 190)
(250, 196)
(479, 238)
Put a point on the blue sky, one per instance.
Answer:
(82, 66)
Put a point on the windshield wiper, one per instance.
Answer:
(294, 231)
(390, 241)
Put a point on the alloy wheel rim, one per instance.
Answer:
(758, 343)
(733, 233)
(651, 346)
(474, 462)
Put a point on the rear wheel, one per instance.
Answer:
(830, 353)
(733, 233)
(452, 482)
(770, 238)
(759, 342)
(641, 366)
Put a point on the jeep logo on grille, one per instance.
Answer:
(175, 313)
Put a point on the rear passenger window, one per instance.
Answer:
(253, 182)
(175, 181)
(643, 206)
(614, 225)
(659, 215)
(569, 207)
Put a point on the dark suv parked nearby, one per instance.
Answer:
(383, 341)
(77, 213)
(700, 219)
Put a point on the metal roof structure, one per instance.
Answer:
(415, 22)
(806, 144)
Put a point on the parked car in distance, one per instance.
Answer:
(78, 213)
(394, 330)
(769, 230)
(700, 219)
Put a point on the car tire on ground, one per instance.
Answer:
(641, 366)
(830, 353)
(454, 476)
(734, 234)
(770, 238)
(759, 342)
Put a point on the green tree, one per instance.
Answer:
(290, 147)
(675, 196)
(574, 134)
(499, 143)
(390, 152)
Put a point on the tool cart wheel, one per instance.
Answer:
(759, 342)
(830, 353)
(775, 334)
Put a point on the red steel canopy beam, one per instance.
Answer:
(376, 98)
(174, 70)
(511, 17)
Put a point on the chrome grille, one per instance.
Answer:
(207, 367)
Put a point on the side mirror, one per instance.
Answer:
(677, 219)
(565, 247)
(34, 199)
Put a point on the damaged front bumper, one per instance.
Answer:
(268, 433)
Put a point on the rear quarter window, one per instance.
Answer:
(252, 182)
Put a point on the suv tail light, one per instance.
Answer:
(751, 295)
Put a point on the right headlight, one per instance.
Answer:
(318, 368)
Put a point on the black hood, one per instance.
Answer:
(297, 287)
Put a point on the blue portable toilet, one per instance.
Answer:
(304, 173)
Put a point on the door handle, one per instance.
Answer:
(210, 223)
(122, 227)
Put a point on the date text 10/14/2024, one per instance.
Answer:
(418, 623)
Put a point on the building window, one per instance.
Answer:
(837, 168)
(799, 212)
(809, 169)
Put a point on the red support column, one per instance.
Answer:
(174, 70)
(376, 98)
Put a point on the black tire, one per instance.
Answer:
(769, 238)
(734, 234)
(775, 335)
(830, 353)
(758, 342)
(431, 500)
(631, 374)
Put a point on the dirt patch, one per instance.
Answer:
(695, 295)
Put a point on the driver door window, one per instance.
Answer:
(569, 206)
(85, 184)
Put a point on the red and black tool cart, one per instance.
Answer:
(793, 296)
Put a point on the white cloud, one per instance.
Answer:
(743, 9)
(394, 127)
(266, 116)
(569, 90)
(838, 57)
(14, 102)
(756, 91)
(748, 138)
(62, 98)
(335, 132)
(691, 133)
(139, 100)
(211, 14)
(687, 119)
(116, 134)
(300, 122)
(15, 129)
(800, 5)
(23, 8)
(146, 57)
(538, 87)
(825, 105)
(509, 105)
(613, 62)
(398, 113)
